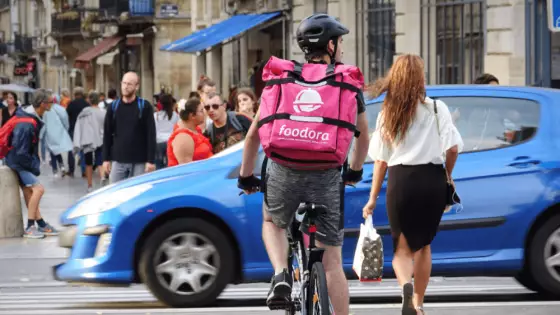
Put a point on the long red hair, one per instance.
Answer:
(405, 88)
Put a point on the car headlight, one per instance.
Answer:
(107, 201)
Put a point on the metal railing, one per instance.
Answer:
(114, 8)
(66, 23)
(452, 34)
(537, 44)
(376, 19)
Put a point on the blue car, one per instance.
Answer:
(186, 233)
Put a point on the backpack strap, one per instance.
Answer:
(330, 69)
(114, 107)
(298, 68)
(140, 107)
(235, 121)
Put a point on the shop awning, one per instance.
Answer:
(219, 33)
(107, 44)
(108, 58)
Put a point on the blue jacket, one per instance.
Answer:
(24, 156)
(55, 130)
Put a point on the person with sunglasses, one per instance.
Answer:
(227, 127)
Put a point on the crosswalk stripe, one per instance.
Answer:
(75, 298)
(251, 291)
(264, 310)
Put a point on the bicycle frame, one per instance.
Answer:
(305, 254)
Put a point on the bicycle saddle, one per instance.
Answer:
(311, 207)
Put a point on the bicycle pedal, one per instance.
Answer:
(279, 304)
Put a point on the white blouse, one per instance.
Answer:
(422, 144)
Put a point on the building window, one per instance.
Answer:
(452, 34)
(320, 6)
(375, 24)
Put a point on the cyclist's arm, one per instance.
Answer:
(251, 148)
(359, 154)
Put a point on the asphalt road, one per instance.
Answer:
(27, 287)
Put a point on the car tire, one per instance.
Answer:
(537, 265)
(147, 268)
(525, 279)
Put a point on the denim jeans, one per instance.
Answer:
(122, 171)
(56, 161)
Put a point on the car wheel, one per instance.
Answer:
(186, 263)
(544, 255)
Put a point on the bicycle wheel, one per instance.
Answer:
(318, 302)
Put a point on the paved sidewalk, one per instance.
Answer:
(60, 193)
(26, 260)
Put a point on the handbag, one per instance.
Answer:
(452, 198)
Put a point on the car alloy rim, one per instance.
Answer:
(187, 263)
(552, 254)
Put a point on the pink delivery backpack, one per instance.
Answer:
(308, 113)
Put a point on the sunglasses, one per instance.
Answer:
(214, 106)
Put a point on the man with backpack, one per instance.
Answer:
(227, 128)
(19, 145)
(309, 115)
(129, 136)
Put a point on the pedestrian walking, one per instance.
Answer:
(74, 109)
(166, 119)
(88, 137)
(57, 138)
(413, 134)
(129, 136)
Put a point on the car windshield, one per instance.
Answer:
(234, 148)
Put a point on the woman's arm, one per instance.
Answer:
(451, 156)
(379, 171)
(183, 148)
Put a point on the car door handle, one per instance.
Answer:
(524, 164)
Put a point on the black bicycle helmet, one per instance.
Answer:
(315, 31)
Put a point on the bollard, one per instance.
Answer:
(11, 217)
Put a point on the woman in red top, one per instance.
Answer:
(187, 143)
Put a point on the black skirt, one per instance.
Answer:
(416, 199)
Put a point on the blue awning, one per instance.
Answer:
(218, 33)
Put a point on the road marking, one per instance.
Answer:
(265, 310)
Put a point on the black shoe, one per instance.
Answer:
(280, 293)
(408, 306)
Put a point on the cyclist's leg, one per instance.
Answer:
(280, 204)
(327, 188)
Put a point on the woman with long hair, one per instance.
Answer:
(247, 102)
(165, 121)
(413, 139)
(187, 143)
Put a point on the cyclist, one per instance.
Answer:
(320, 38)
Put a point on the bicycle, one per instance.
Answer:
(306, 266)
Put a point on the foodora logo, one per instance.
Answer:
(305, 133)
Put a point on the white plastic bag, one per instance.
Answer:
(368, 258)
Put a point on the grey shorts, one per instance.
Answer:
(286, 188)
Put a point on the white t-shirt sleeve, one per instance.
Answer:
(449, 135)
(379, 150)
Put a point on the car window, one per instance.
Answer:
(487, 123)
(372, 110)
